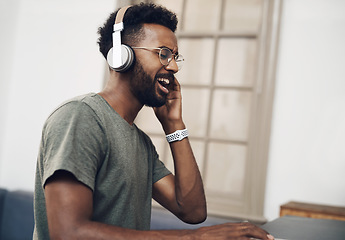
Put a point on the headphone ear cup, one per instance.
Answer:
(127, 58)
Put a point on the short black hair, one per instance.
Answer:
(133, 21)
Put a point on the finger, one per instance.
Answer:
(175, 90)
(174, 95)
(251, 230)
(175, 85)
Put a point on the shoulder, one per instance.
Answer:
(87, 103)
(83, 102)
(80, 109)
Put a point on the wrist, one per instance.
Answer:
(173, 126)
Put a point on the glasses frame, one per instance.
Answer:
(177, 57)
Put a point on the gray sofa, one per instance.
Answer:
(17, 217)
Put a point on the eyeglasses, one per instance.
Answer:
(165, 56)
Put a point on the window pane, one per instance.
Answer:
(226, 169)
(243, 15)
(230, 114)
(236, 61)
(195, 110)
(198, 64)
(202, 15)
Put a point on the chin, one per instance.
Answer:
(158, 101)
(155, 104)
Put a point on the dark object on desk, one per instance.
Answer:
(313, 211)
(301, 228)
(16, 215)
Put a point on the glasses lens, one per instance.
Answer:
(179, 61)
(165, 56)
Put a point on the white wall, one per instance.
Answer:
(49, 53)
(307, 151)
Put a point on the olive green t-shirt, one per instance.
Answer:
(116, 160)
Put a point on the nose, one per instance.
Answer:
(172, 66)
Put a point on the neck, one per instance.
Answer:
(118, 95)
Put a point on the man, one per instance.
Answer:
(97, 172)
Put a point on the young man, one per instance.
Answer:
(97, 172)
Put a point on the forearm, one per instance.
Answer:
(189, 190)
(95, 230)
(69, 213)
(187, 199)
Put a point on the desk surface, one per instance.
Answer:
(300, 228)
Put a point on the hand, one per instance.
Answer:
(233, 231)
(170, 114)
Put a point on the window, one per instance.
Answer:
(227, 86)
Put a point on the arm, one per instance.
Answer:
(69, 205)
(182, 194)
(69, 212)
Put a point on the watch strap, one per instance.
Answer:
(177, 135)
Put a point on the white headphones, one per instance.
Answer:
(120, 57)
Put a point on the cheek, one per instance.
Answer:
(146, 66)
(150, 63)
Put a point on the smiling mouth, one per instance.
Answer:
(164, 82)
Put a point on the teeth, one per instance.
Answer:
(166, 81)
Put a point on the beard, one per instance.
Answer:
(143, 87)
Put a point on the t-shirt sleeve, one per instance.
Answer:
(159, 169)
(74, 141)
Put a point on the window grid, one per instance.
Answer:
(212, 86)
(227, 204)
(216, 36)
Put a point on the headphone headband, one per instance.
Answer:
(120, 14)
